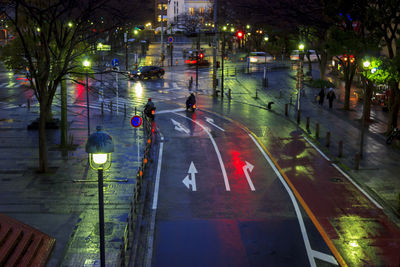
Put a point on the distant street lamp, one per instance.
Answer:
(366, 65)
(100, 146)
(86, 65)
(300, 78)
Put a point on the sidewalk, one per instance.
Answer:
(379, 168)
(64, 202)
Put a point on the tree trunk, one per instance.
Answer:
(367, 102)
(394, 104)
(43, 163)
(322, 66)
(347, 87)
(64, 121)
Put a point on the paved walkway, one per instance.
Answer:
(64, 202)
(379, 168)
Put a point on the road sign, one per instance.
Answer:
(170, 39)
(115, 62)
(136, 121)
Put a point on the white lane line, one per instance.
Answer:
(316, 148)
(358, 187)
(324, 257)
(150, 238)
(294, 202)
(221, 163)
(157, 184)
(170, 111)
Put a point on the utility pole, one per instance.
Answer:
(162, 33)
(126, 50)
(222, 63)
(214, 75)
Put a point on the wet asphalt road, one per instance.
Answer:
(207, 218)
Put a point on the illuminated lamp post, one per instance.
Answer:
(366, 65)
(99, 146)
(86, 65)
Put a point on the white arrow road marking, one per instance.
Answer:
(211, 121)
(246, 169)
(179, 127)
(192, 180)
(221, 163)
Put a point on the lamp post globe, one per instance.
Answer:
(100, 146)
(86, 63)
(366, 64)
(301, 47)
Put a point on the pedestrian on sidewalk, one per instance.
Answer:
(331, 96)
(321, 96)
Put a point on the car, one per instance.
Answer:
(147, 72)
(260, 57)
(295, 55)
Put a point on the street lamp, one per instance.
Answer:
(366, 65)
(86, 65)
(300, 79)
(100, 146)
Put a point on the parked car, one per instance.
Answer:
(260, 57)
(295, 55)
(147, 72)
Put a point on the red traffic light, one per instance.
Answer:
(239, 34)
(201, 55)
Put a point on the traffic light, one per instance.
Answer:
(201, 55)
(239, 34)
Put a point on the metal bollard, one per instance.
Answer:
(256, 93)
(28, 103)
(111, 108)
(124, 109)
(298, 117)
(308, 123)
(229, 93)
(357, 161)
(317, 130)
(280, 93)
(102, 108)
(286, 109)
(340, 154)
(328, 139)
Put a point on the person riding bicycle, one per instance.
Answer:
(149, 106)
(191, 100)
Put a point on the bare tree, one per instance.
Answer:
(53, 37)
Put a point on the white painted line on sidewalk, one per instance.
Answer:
(324, 257)
(294, 202)
(358, 187)
(316, 148)
(221, 163)
(345, 175)
(157, 183)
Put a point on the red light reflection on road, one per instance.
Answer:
(79, 92)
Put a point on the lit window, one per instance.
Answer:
(201, 10)
(191, 11)
(165, 6)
